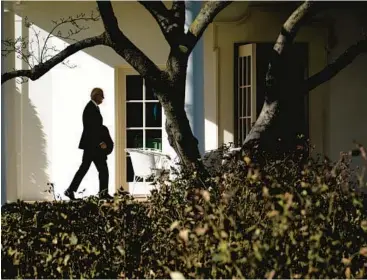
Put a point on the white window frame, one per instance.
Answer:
(245, 90)
(144, 102)
(140, 188)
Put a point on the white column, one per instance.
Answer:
(194, 96)
(10, 115)
(3, 135)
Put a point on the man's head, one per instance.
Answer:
(97, 95)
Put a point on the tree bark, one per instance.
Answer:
(267, 130)
(269, 127)
(336, 66)
(171, 95)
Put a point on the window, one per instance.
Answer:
(245, 97)
(143, 119)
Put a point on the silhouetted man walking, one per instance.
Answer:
(93, 142)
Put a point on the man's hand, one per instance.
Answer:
(103, 145)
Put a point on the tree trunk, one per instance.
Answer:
(262, 134)
(271, 124)
(171, 94)
(273, 135)
(179, 132)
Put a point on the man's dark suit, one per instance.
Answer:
(92, 127)
(92, 136)
(106, 137)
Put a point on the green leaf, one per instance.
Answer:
(174, 225)
(49, 258)
(177, 275)
(66, 259)
(121, 250)
(73, 239)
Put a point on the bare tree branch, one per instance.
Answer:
(162, 16)
(19, 47)
(42, 68)
(23, 45)
(74, 22)
(171, 22)
(273, 81)
(293, 24)
(123, 46)
(203, 19)
(178, 12)
(337, 65)
(283, 44)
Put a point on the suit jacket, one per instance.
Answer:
(106, 137)
(92, 127)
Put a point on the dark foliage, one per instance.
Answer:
(288, 219)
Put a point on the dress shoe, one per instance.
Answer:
(70, 194)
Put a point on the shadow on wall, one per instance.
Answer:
(35, 162)
(26, 151)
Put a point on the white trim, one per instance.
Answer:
(141, 188)
(217, 96)
(246, 90)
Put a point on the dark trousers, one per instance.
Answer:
(100, 161)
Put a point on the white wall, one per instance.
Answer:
(348, 90)
(44, 120)
(48, 117)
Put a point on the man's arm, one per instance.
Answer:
(92, 124)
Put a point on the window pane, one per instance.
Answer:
(240, 72)
(248, 102)
(134, 138)
(134, 87)
(240, 97)
(248, 70)
(129, 170)
(243, 74)
(154, 139)
(134, 114)
(149, 95)
(248, 125)
(239, 132)
(153, 115)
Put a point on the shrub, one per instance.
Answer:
(67, 239)
(283, 220)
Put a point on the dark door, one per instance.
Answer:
(295, 103)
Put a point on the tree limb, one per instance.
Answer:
(203, 19)
(261, 133)
(293, 24)
(40, 69)
(161, 14)
(336, 66)
(74, 22)
(282, 45)
(123, 46)
(178, 12)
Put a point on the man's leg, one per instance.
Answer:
(101, 165)
(83, 169)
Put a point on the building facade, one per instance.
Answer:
(41, 120)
